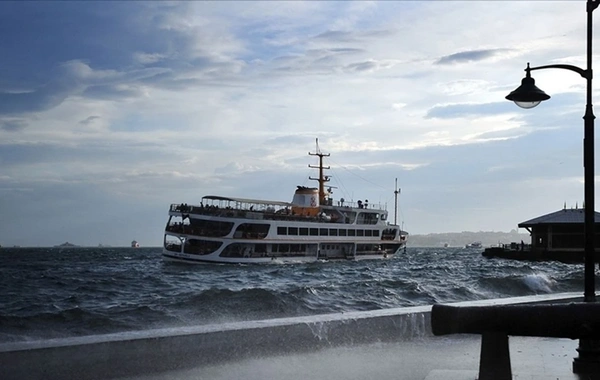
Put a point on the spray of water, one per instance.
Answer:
(539, 282)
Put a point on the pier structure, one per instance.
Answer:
(557, 236)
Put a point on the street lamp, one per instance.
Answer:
(528, 95)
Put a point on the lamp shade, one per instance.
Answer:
(527, 95)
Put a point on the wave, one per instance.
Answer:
(49, 293)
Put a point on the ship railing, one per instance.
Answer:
(514, 246)
(239, 212)
(495, 323)
(368, 205)
(187, 229)
(250, 214)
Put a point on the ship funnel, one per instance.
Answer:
(306, 197)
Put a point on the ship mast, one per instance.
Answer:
(323, 179)
(396, 192)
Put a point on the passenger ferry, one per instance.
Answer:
(312, 227)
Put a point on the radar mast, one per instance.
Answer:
(323, 179)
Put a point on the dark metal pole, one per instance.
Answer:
(588, 163)
(589, 349)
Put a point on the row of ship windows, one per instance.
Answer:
(304, 231)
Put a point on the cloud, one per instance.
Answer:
(363, 66)
(113, 106)
(470, 56)
(83, 58)
(89, 120)
(452, 111)
(41, 99)
(13, 125)
(337, 36)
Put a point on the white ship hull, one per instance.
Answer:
(257, 238)
(308, 229)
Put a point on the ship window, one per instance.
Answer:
(349, 217)
(375, 232)
(208, 228)
(314, 232)
(260, 248)
(323, 232)
(367, 218)
(281, 230)
(251, 231)
(351, 232)
(293, 231)
(303, 231)
(284, 248)
(201, 247)
(342, 232)
(360, 232)
(333, 232)
(172, 243)
(368, 232)
(235, 250)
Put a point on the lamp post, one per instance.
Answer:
(528, 95)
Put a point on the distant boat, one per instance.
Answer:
(135, 244)
(66, 245)
(475, 244)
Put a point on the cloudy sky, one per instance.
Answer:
(111, 111)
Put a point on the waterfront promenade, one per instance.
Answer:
(379, 344)
(438, 358)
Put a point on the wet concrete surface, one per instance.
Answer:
(381, 344)
(433, 358)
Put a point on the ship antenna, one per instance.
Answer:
(396, 192)
(322, 178)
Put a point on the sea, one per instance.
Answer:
(50, 293)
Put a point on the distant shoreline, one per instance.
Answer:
(431, 240)
(76, 246)
(461, 239)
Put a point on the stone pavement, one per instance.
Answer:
(431, 358)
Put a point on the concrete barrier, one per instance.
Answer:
(154, 351)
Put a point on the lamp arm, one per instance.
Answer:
(587, 74)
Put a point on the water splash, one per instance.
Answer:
(539, 282)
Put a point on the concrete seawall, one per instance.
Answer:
(154, 351)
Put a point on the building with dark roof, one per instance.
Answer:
(555, 236)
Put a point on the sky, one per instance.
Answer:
(111, 111)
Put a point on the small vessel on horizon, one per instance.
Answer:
(66, 245)
(135, 244)
(475, 244)
(310, 228)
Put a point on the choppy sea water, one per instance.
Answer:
(53, 292)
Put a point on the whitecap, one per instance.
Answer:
(539, 282)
